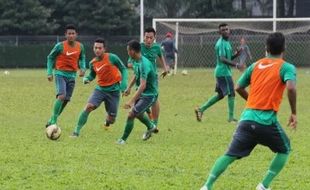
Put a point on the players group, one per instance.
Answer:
(267, 77)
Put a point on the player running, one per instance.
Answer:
(145, 96)
(65, 58)
(223, 75)
(267, 78)
(111, 80)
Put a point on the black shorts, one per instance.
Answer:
(225, 86)
(143, 104)
(110, 99)
(250, 133)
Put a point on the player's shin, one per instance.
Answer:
(81, 122)
(218, 168)
(276, 166)
(56, 110)
(128, 128)
(146, 121)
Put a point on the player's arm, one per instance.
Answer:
(51, 58)
(248, 52)
(244, 82)
(162, 61)
(121, 67)
(221, 51)
(131, 84)
(288, 74)
(137, 94)
(144, 71)
(91, 76)
(82, 62)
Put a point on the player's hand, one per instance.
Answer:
(164, 73)
(126, 92)
(86, 81)
(238, 52)
(240, 67)
(128, 105)
(81, 73)
(50, 78)
(292, 121)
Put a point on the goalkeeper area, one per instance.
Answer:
(195, 38)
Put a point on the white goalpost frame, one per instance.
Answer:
(274, 20)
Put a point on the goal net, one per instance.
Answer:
(195, 38)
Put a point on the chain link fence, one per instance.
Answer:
(31, 51)
(196, 40)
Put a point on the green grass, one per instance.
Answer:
(178, 158)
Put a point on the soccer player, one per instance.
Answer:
(224, 81)
(111, 80)
(152, 51)
(268, 78)
(145, 96)
(170, 50)
(65, 58)
(244, 52)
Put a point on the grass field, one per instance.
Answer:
(178, 158)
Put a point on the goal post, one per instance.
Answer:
(195, 38)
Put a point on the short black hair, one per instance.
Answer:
(134, 45)
(70, 27)
(222, 25)
(275, 43)
(100, 40)
(150, 29)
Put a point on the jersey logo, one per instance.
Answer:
(261, 66)
(71, 53)
(99, 68)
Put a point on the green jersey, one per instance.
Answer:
(265, 117)
(223, 49)
(147, 72)
(151, 53)
(135, 67)
(51, 59)
(115, 60)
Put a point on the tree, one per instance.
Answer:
(97, 17)
(24, 17)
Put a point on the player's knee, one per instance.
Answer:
(131, 115)
(61, 97)
(90, 107)
(220, 96)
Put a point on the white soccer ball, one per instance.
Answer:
(6, 72)
(184, 72)
(53, 132)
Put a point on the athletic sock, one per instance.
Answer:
(128, 128)
(231, 107)
(276, 166)
(155, 122)
(56, 110)
(209, 103)
(81, 122)
(146, 121)
(218, 168)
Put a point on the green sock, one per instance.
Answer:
(209, 103)
(146, 121)
(155, 122)
(276, 166)
(65, 102)
(231, 107)
(218, 168)
(81, 122)
(128, 128)
(56, 111)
